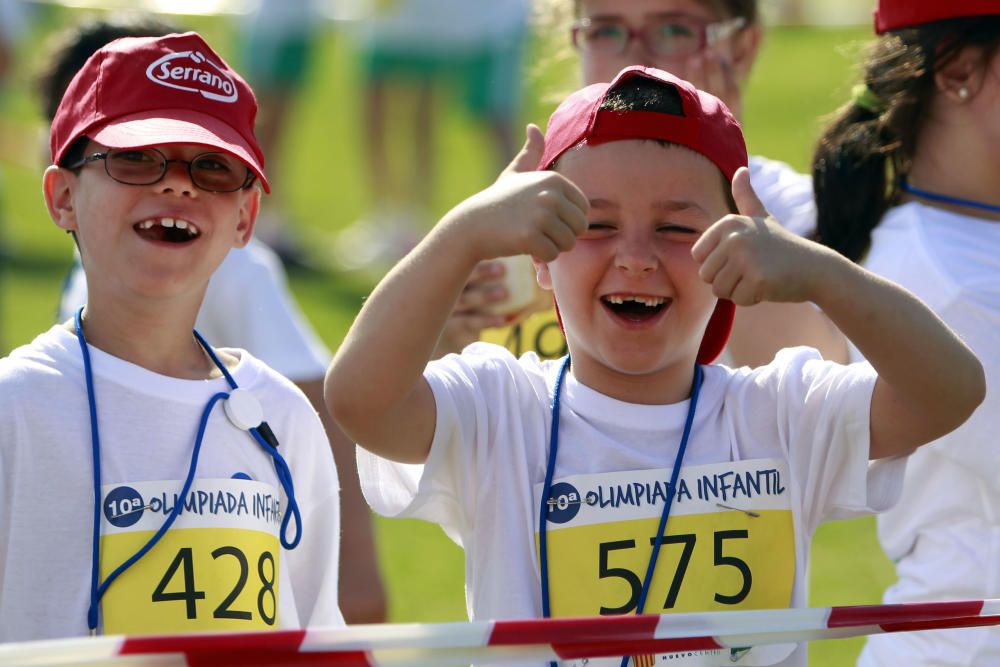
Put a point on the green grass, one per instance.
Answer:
(802, 73)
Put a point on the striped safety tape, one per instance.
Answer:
(440, 644)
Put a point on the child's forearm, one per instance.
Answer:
(374, 384)
(929, 380)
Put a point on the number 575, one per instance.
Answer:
(687, 540)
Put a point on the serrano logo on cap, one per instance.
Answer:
(191, 71)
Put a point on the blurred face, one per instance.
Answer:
(159, 240)
(681, 22)
(629, 294)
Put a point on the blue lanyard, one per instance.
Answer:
(261, 433)
(946, 199)
(547, 490)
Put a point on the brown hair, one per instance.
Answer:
(869, 145)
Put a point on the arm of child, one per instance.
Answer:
(375, 386)
(929, 380)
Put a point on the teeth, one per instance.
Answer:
(648, 301)
(190, 227)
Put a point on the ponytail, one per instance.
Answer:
(869, 146)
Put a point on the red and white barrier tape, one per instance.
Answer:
(439, 644)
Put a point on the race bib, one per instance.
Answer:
(729, 544)
(216, 568)
(539, 333)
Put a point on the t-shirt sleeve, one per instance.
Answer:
(824, 411)
(477, 395)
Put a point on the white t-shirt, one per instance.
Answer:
(247, 305)
(802, 415)
(786, 194)
(147, 424)
(945, 533)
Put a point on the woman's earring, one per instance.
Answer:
(963, 93)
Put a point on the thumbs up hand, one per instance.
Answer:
(525, 212)
(749, 257)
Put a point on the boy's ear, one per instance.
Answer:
(746, 44)
(249, 208)
(961, 78)
(58, 186)
(542, 274)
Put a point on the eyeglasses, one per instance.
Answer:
(212, 172)
(669, 35)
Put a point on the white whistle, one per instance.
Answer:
(243, 409)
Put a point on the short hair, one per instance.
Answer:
(74, 46)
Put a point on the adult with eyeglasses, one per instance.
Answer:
(712, 44)
(247, 303)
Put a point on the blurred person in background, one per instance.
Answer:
(278, 45)
(13, 21)
(412, 53)
(713, 44)
(247, 305)
(907, 179)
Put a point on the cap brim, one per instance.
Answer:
(178, 126)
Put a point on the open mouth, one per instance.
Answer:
(635, 308)
(167, 230)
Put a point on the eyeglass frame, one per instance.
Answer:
(711, 32)
(165, 166)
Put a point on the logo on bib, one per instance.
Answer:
(563, 503)
(123, 506)
(193, 72)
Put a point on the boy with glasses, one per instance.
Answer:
(145, 489)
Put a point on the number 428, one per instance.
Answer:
(184, 561)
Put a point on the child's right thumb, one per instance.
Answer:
(531, 153)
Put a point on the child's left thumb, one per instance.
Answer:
(747, 202)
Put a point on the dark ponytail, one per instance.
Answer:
(870, 144)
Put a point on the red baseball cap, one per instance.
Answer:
(704, 125)
(895, 14)
(137, 92)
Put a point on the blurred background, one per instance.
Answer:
(363, 162)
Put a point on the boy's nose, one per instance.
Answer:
(177, 179)
(636, 255)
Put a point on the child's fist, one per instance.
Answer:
(749, 258)
(526, 212)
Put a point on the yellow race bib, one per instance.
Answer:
(216, 568)
(729, 542)
(539, 333)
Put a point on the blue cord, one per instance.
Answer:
(269, 445)
(671, 490)
(174, 513)
(95, 445)
(947, 199)
(547, 490)
(285, 477)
